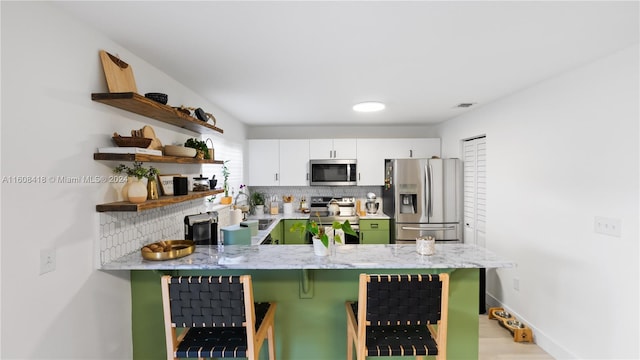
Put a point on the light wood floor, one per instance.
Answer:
(496, 343)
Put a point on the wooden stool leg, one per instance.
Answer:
(349, 345)
(271, 339)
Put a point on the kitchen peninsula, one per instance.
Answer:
(310, 290)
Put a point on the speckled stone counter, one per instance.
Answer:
(287, 257)
(310, 290)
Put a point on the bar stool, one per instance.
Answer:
(218, 315)
(399, 315)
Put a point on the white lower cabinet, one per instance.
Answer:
(278, 162)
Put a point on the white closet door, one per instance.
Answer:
(475, 190)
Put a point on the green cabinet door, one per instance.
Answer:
(294, 237)
(276, 234)
(374, 231)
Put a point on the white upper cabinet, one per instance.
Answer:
(373, 152)
(411, 148)
(294, 162)
(278, 162)
(264, 166)
(370, 166)
(332, 149)
(285, 162)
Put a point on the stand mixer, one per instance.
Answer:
(371, 205)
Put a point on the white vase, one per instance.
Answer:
(259, 210)
(137, 192)
(125, 188)
(318, 247)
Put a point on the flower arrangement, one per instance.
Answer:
(137, 171)
(317, 230)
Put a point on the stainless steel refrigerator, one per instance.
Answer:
(423, 197)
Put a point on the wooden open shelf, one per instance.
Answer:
(140, 105)
(152, 204)
(153, 158)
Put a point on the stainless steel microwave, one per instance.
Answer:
(333, 172)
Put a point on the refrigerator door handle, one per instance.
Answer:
(429, 190)
(428, 228)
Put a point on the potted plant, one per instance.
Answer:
(200, 146)
(257, 201)
(134, 190)
(319, 237)
(225, 174)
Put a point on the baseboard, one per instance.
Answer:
(539, 337)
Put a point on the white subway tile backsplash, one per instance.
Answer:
(125, 233)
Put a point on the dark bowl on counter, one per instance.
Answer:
(157, 97)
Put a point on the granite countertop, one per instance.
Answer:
(280, 257)
(284, 257)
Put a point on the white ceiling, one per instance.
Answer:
(306, 63)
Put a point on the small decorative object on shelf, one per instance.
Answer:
(131, 141)
(213, 182)
(157, 97)
(200, 183)
(152, 184)
(226, 200)
(200, 146)
(136, 191)
(211, 152)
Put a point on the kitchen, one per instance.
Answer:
(543, 141)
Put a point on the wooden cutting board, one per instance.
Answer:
(118, 73)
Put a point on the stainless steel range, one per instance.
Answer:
(323, 208)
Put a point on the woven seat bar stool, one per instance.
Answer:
(399, 315)
(219, 317)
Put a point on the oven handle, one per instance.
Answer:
(431, 228)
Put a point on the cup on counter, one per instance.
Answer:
(426, 245)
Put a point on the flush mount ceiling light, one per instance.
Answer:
(368, 106)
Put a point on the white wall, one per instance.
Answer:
(336, 132)
(50, 127)
(559, 154)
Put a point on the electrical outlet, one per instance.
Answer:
(607, 226)
(47, 260)
(516, 284)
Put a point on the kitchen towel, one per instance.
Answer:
(236, 216)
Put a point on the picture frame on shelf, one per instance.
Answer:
(166, 183)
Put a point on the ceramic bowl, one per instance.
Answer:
(181, 151)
